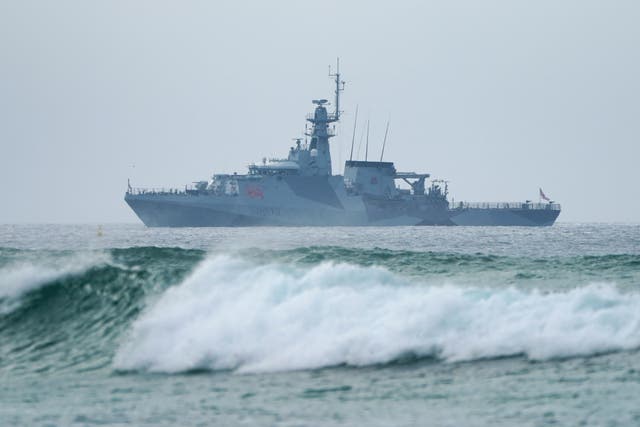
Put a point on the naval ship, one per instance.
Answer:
(301, 190)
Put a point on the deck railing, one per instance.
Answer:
(141, 190)
(506, 205)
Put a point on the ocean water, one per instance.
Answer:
(432, 326)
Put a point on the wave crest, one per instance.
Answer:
(26, 275)
(232, 314)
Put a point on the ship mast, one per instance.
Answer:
(319, 162)
(339, 88)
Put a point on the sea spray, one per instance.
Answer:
(234, 314)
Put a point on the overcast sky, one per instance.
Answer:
(499, 97)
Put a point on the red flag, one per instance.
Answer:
(544, 196)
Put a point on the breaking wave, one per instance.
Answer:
(66, 310)
(19, 277)
(177, 310)
(233, 313)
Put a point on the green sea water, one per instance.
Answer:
(316, 326)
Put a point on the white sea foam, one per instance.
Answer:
(17, 279)
(230, 314)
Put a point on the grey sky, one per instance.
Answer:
(500, 97)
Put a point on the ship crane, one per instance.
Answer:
(418, 185)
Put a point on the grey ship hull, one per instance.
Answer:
(165, 211)
(284, 201)
(179, 210)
